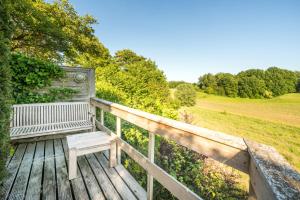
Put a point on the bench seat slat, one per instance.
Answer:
(30, 120)
(21, 132)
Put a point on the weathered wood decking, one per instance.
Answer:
(39, 171)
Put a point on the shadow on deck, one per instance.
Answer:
(39, 171)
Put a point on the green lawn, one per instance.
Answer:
(274, 122)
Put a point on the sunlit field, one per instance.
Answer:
(274, 122)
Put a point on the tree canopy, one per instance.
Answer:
(252, 83)
(56, 32)
(186, 94)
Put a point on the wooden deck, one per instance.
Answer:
(38, 170)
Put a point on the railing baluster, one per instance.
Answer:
(118, 131)
(151, 146)
(93, 112)
(102, 117)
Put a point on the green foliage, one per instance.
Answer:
(174, 84)
(227, 85)
(186, 94)
(197, 172)
(280, 81)
(5, 89)
(54, 31)
(134, 81)
(208, 83)
(252, 87)
(252, 83)
(32, 76)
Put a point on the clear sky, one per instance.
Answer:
(188, 38)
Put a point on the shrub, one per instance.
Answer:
(32, 76)
(186, 94)
(5, 89)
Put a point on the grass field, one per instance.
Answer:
(274, 122)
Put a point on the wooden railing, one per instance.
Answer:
(271, 177)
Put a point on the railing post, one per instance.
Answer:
(118, 131)
(151, 146)
(102, 117)
(93, 112)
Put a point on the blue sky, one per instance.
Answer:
(189, 38)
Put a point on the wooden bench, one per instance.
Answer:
(86, 143)
(32, 120)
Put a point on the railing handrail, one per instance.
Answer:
(236, 142)
(226, 149)
(271, 176)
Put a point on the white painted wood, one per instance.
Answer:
(31, 120)
(119, 132)
(224, 148)
(87, 143)
(72, 163)
(151, 147)
(175, 187)
(102, 117)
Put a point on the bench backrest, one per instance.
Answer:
(49, 113)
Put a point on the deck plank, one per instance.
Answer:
(90, 180)
(118, 182)
(63, 185)
(35, 181)
(40, 171)
(107, 187)
(49, 182)
(12, 170)
(79, 189)
(135, 187)
(19, 188)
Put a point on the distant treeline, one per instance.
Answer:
(174, 84)
(252, 83)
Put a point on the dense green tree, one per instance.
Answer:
(186, 94)
(126, 57)
(174, 84)
(252, 83)
(134, 81)
(5, 89)
(251, 87)
(280, 81)
(208, 83)
(55, 31)
(258, 73)
(227, 84)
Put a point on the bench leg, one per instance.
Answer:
(113, 154)
(72, 164)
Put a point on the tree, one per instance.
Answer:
(227, 84)
(54, 31)
(174, 84)
(186, 94)
(137, 82)
(208, 83)
(5, 89)
(280, 81)
(251, 87)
